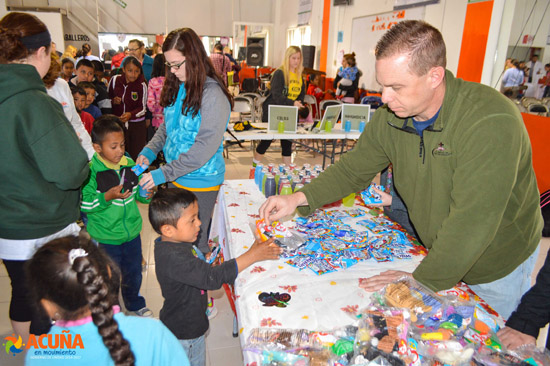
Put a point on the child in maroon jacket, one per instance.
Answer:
(128, 93)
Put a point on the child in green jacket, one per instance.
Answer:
(109, 200)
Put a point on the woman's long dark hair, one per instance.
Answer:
(90, 282)
(197, 67)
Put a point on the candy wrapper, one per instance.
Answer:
(370, 197)
(284, 237)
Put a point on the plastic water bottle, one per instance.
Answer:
(269, 189)
(257, 173)
(347, 126)
(361, 126)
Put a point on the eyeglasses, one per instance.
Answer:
(134, 49)
(175, 66)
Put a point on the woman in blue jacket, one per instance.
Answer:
(197, 106)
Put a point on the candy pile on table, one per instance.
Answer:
(330, 242)
(406, 324)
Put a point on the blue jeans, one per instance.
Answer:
(195, 349)
(128, 258)
(504, 294)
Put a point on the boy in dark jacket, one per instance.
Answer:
(109, 199)
(184, 278)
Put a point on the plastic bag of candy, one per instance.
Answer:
(406, 293)
(284, 237)
(370, 197)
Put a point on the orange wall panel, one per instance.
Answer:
(474, 40)
(539, 129)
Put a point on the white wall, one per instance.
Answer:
(448, 16)
(206, 17)
(538, 20)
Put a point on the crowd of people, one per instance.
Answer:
(526, 79)
(78, 147)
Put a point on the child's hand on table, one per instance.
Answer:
(115, 193)
(259, 251)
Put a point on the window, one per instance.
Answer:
(298, 36)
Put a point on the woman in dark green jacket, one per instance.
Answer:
(43, 164)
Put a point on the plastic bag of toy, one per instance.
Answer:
(281, 358)
(382, 332)
(278, 339)
(449, 352)
(287, 239)
(533, 355)
(448, 324)
(378, 361)
(482, 330)
(484, 356)
(406, 293)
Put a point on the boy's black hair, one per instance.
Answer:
(84, 62)
(166, 206)
(86, 85)
(78, 90)
(159, 68)
(66, 60)
(107, 123)
(98, 65)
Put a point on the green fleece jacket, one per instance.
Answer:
(116, 221)
(43, 165)
(468, 184)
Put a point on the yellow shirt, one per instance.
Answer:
(294, 86)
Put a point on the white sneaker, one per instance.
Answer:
(211, 312)
(143, 312)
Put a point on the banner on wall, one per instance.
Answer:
(365, 33)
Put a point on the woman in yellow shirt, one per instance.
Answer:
(287, 88)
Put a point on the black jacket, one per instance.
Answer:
(533, 312)
(279, 93)
(183, 280)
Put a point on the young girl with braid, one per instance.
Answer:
(77, 285)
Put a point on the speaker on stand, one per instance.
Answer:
(255, 56)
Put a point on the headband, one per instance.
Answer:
(35, 41)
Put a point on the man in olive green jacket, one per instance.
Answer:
(461, 163)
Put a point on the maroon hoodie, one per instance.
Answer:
(133, 95)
